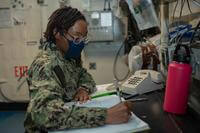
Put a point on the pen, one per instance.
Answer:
(103, 94)
(118, 91)
(138, 100)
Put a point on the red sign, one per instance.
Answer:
(21, 71)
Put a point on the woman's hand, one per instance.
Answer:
(82, 95)
(119, 113)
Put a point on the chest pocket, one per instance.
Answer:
(72, 71)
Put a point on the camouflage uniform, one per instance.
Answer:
(45, 110)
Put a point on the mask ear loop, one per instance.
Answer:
(63, 35)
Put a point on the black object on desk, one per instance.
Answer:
(138, 100)
(151, 111)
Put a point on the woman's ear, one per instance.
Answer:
(57, 36)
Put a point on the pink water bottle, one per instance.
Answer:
(178, 81)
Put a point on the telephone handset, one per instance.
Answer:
(143, 81)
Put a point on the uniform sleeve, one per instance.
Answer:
(86, 80)
(47, 111)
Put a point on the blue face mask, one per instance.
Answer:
(74, 50)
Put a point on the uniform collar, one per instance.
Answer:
(52, 49)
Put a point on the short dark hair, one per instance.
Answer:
(60, 20)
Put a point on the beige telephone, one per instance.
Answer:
(143, 81)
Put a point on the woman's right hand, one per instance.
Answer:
(119, 113)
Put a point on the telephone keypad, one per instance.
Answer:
(134, 80)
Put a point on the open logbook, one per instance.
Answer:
(134, 125)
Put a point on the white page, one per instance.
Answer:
(134, 124)
(99, 102)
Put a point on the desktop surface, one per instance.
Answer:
(159, 121)
(150, 111)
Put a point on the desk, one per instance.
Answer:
(151, 111)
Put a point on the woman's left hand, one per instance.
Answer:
(82, 95)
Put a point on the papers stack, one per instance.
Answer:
(135, 124)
